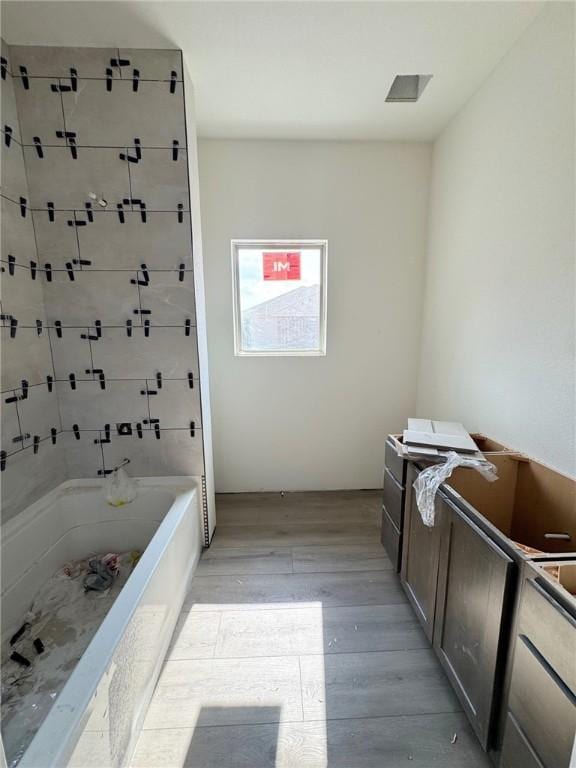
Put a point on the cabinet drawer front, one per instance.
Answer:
(393, 498)
(394, 463)
(550, 629)
(516, 749)
(391, 539)
(542, 706)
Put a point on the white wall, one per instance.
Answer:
(498, 340)
(317, 423)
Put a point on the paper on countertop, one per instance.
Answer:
(443, 435)
(450, 430)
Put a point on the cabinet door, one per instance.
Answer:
(474, 574)
(420, 556)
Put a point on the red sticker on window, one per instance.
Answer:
(281, 265)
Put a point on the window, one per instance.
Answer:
(279, 297)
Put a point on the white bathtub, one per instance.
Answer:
(96, 719)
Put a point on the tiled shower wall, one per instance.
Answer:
(98, 270)
(32, 463)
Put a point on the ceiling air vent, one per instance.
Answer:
(408, 87)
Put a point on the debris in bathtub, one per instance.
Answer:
(102, 572)
(17, 635)
(19, 659)
(120, 489)
(74, 569)
(51, 637)
(112, 561)
(39, 646)
(134, 558)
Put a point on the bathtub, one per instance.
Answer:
(96, 718)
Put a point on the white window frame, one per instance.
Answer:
(293, 245)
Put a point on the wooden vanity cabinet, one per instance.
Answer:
(473, 577)
(462, 576)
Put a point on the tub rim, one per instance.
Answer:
(177, 483)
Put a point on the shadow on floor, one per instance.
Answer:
(216, 743)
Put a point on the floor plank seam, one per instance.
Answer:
(291, 606)
(265, 656)
(303, 655)
(288, 606)
(218, 633)
(301, 688)
(300, 722)
(343, 570)
(296, 573)
(253, 573)
(285, 548)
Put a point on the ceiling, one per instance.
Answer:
(300, 70)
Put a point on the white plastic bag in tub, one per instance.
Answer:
(430, 479)
(120, 489)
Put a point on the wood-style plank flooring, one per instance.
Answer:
(296, 648)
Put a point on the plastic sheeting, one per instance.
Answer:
(429, 480)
